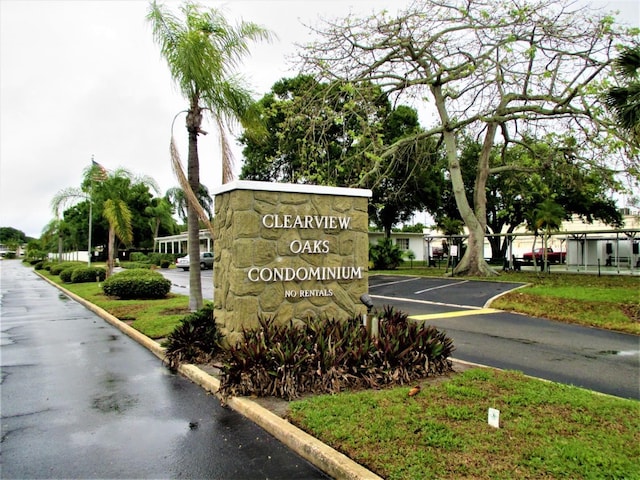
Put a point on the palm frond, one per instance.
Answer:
(191, 197)
(119, 216)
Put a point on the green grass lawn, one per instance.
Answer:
(611, 302)
(546, 430)
(155, 318)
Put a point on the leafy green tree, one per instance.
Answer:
(316, 135)
(550, 172)
(202, 50)
(624, 101)
(312, 132)
(494, 69)
(409, 180)
(9, 234)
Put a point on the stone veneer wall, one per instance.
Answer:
(242, 242)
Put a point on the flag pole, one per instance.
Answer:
(90, 212)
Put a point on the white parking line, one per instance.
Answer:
(426, 302)
(440, 286)
(413, 279)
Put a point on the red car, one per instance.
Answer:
(552, 257)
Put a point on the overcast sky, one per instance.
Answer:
(84, 78)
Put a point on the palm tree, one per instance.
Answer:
(202, 50)
(118, 215)
(53, 232)
(111, 188)
(161, 212)
(624, 101)
(547, 217)
(177, 198)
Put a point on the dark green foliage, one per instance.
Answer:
(407, 348)
(65, 275)
(88, 274)
(161, 259)
(134, 265)
(195, 340)
(327, 356)
(137, 283)
(10, 234)
(38, 266)
(138, 257)
(56, 268)
(385, 255)
(140, 260)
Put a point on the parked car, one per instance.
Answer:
(552, 257)
(206, 261)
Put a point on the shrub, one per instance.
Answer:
(138, 257)
(135, 265)
(65, 275)
(88, 274)
(160, 259)
(195, 340)
(137, 283)
(39, 265)
(327, 356)
(408, 349)
(34, 256)
(385, 255)
(56, 268)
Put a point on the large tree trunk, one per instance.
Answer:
(473, 262)
(194, 120)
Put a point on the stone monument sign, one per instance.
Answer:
(288, 251)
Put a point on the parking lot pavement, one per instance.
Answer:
(601, 360)
(444, 292)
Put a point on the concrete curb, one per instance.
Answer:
(330, 461)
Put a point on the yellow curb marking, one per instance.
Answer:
(462, 313)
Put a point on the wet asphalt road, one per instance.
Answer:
(592, 358)
(82, 400)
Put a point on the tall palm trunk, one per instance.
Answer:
(194, 121)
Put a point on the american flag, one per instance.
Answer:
(99, 172)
